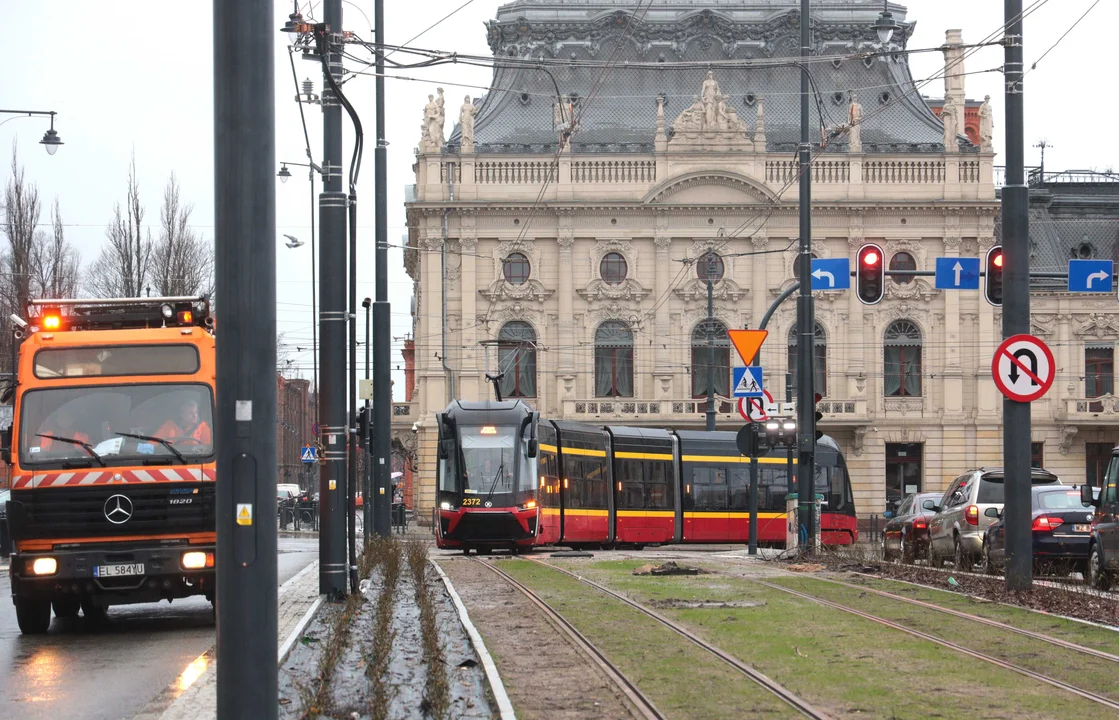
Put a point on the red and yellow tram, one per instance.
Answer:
(508, 479)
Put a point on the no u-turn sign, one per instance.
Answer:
(1023, 368)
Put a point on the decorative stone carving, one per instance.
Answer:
(432, 138)
(1098, 326)
(904, 406)
(759, 130)
(615, 311)
(917, 289)
(986, 125)
(501, 290)
(854, 124)
(949, 116)
(710, 121)
(466, 122)
(725, 289)
(623, 248)
(659, 136)
(628, 289)
(860, 438)
(1043, 325)
(1068, 432)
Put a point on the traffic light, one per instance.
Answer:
(994, 276)
(870, 278)
(819, 415)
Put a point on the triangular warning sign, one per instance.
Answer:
(245, 512)
(747, 342)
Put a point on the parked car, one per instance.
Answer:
(1061, 525)
(906, 535)
(1103, 542)
(956, 531)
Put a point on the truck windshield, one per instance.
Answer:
(180, 414)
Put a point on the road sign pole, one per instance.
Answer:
(754, 504)
(245, 270)
(1016, 312)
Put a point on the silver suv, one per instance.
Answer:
(956, 531)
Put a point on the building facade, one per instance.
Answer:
(295, 413)
(558, 239)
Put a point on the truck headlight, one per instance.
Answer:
(44, 566)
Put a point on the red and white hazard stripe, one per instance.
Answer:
(106, 477)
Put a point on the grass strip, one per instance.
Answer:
(838, 660)
(1093, 674)
(436, 701)
(683, 680)
(389, 557)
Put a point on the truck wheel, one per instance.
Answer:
(94, 614)
(33, 615)
(66, 606)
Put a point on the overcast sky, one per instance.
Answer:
(135, 76)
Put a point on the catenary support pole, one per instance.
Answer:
(367, 480)
(351, 386)
(332, 323)
(1016, 312)
(806, 320)
(382, 327)
(245, 260)
(710, 271)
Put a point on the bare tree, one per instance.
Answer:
(21, 216)
(124, 265)
(182, 262)
(54, 264)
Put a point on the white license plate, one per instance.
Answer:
(108, 571)
(1081, 528)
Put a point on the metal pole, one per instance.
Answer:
(382, 327)
(806, 316)
(314, 298)
(754, 504)
(332, 317)
(710, 342)
(351, 435)
(245, 255)
(1016, 313)
(367, 485)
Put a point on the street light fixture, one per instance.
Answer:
(294, 26)
(50, 139)
(283, 174)
(885, 24)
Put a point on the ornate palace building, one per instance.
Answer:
(555, 235)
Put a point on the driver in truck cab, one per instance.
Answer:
(61, 427)
(187, 426)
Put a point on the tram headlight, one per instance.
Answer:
(445, 506)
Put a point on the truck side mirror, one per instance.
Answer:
(1086, 495)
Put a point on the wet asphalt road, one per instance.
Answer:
(112, 672)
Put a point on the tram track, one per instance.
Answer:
(638, 703)
(1106, 702)
(780, 691)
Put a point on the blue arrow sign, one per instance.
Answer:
(310, 454)
(1090, 276)
(748, 382)
(957, 273)
(831, 274)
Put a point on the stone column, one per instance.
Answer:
(954, 74)
(469, 381)
(431, 329)
(662, 367)
(565, 338)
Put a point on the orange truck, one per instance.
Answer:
(112, 456)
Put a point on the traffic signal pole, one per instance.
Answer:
(245, 265)
(332, 320)
(1016, 312)
(382, 328)
(806, 315)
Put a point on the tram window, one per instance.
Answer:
(574, 481)
(632, 484)
(658, 491)
(740, 488)
(595, 487)
(773, 485)
(710, 488)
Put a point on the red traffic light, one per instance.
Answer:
(870, 278)
(997, 260)
(870, 258)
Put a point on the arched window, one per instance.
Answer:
(820, 361)
(721, 369)
(902, 261)
(613, 268)
(516, 358)
(903, 360)
(613, 360)
(701, 267)
(516, 268)
(796, 265)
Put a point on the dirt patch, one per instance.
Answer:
(668, 568)
(518, 639)
(707, 604)
(805, 567)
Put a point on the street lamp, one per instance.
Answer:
(283, 174)
(294, 27)
(885, 24)
(50, 140)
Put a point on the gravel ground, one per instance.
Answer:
(407, 675)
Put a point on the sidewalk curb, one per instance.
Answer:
(299, 628)
(505, 708)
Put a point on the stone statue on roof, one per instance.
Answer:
(466, 122)
(986, 125)
(710, 97)
(710, 117)
(432, 138)
(854, 123)
(949, 117)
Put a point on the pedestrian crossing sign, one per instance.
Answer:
(748, 382)
(309, 454)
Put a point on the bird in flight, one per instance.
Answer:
(293, 242)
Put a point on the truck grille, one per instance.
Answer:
(81, 511)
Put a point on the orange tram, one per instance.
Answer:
(509, 479)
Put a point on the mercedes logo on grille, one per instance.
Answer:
(118, 509)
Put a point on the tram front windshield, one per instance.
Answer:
(489, 459)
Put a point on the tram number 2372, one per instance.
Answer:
(471, 501)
